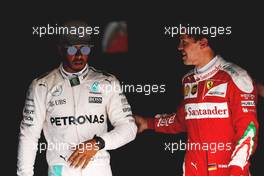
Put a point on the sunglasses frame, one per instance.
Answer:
(79, 48)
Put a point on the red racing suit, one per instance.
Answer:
(218, 113)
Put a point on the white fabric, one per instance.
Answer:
(71, 115)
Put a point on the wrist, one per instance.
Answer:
(99, 142)
(150, 123)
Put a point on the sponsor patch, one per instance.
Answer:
(206, 110)
(208, 74)
(194, 89)
(166, 121)
(95, 99)
(28, 118)
(56, 91)
(219, 90)
(212, 166)
(95, 87)
(57, 102)
(231, 70)
(209, 84)
(74, 81)
(246, 110)
(190, 90)
(248, 96)
(124, 101)
(72, 120)
(127, 109)
(247, 103)
(186, 90)
(28, 111)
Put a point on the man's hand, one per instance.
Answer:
(260, 88)
(141, 122)
(83, 154)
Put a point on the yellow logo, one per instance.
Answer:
(209, 84)
(186, 90)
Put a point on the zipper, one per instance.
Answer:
(74, 112)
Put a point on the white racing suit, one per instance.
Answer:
(72, 109)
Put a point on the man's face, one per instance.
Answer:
(190, 49)
(76, 57)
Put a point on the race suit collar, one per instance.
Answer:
(206, 67)
(209, 69)
(74, 78)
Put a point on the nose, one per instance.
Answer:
(180, 47)
(78, 53)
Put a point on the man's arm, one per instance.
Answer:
(243, 99)
(30, 128)
(120, 116)
(260, 88)
(125, 129)
(164, 123)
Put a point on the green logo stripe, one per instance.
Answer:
(251, 127)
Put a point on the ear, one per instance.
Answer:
(203, 42)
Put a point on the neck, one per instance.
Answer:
(207, 57)
(70, 71)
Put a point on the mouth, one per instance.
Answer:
(184, 55)
(78, 62)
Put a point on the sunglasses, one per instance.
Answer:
(72, 50)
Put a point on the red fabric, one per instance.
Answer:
(235, 171)
(215, 112)
(150, 123)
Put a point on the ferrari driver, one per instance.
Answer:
(218, 107)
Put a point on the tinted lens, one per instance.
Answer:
(85, 50)
(72, 50)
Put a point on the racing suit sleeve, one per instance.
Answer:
(30, 128)
(169, 123)
(243, 99)
(120, 116)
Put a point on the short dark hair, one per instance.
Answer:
(206, 29)
(74, 39)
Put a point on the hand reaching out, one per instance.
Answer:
(141, 122)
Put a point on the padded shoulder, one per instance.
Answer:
(239, 76)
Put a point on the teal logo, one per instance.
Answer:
(95, 87)
(55, 170)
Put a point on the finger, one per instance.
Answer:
(76, 160)
(73, 155)
(80, 161)
(140, 130)
(85, 163)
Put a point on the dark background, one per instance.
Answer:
(152, 59)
